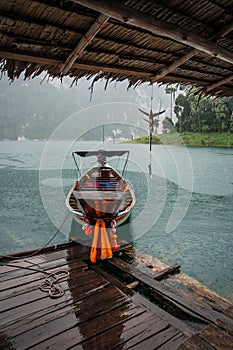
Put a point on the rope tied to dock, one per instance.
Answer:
(51, 285)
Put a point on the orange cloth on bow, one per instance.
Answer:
(101, 247)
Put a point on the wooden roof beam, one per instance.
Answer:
(221, 34)
(85, 66)
(219, 83)
(103, 68)
(225, 30)
(174, 65)
(114, 70)
(135, 18)
(84, 41)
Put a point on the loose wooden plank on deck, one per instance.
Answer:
(200, 309)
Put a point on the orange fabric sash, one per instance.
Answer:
(100, 243)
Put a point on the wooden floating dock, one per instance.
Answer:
(116, 304)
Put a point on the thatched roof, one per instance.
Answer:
(172, 41)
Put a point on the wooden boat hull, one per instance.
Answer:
(93, 198)
(100, 201)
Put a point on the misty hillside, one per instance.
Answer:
(32, 109)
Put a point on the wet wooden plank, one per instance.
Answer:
(23, 281)
(172, 320)
(15, 268)
(128, 333)
(37, 253)
(157, 340)
(31, 302)
(27, 268)
(113, 280)
(217, 337)
(33, 282)
(196, 343)
(165, 272)
(87, 283)
(199, 309)
(32, 321)
(135, 330)
(85, 324)
(173, 343)
(108, 337)
(180, 325)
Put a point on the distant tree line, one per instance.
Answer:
(203, 114)
(32, 110)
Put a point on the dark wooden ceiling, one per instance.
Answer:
(165, 41)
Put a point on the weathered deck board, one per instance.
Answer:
(32, 302)
(211, 338)
(97, 310)
(22, 282)
(64, 307)
(184, 328)
(85, 326)
(200, 310)
(49, 259)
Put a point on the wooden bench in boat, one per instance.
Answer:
(99, 202)
(100, 195)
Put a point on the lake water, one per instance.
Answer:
(183, 212)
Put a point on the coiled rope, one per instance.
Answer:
(51, 285)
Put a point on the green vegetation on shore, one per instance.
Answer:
(224, 139)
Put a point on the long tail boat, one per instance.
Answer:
(100, 200)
